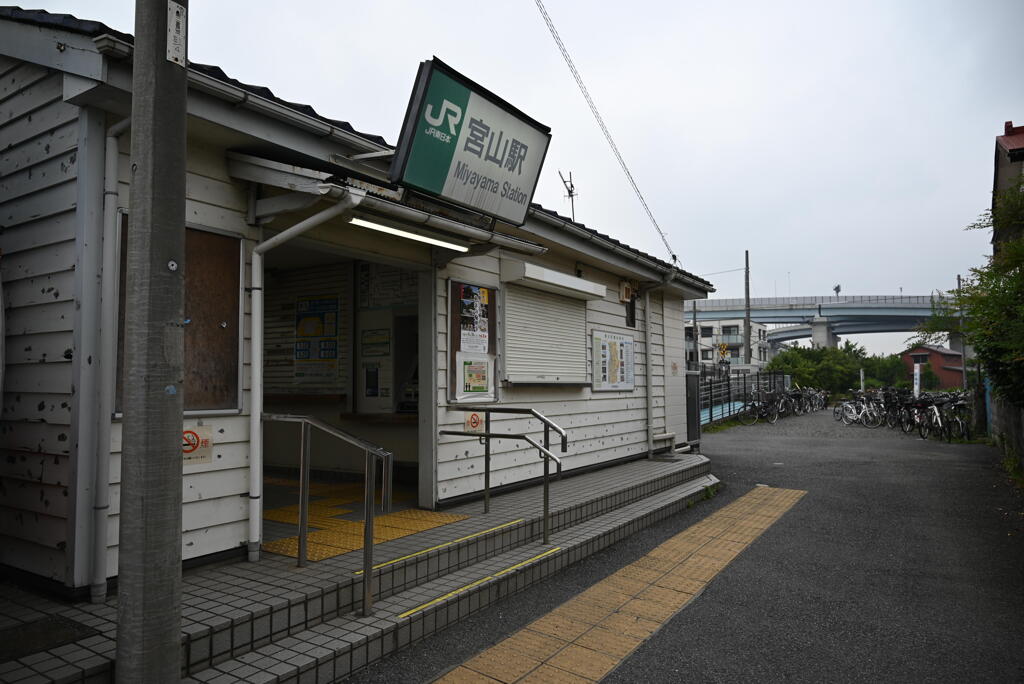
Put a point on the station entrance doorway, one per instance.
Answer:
(342, 344)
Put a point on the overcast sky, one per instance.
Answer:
(840, 142)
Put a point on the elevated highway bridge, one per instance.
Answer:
(824, 319)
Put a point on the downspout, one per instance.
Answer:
(649, 365)
(347, 199)
(649, 362)
(107, 364)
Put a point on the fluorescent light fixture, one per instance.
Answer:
(407, 234)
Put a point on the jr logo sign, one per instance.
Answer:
(469, 147)
(453, 113)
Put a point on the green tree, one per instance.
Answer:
(929, 380)
(992, 299)
(838, 370)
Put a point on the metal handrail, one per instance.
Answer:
(373, 453)
(545, 451)
(522, 411)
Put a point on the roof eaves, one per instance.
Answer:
(694, 279)
(93, 29)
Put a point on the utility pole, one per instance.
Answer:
(149, 558)
(746, 301)
(963, 342)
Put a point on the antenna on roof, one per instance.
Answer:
(572, 194)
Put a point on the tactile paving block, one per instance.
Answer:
(330, 536)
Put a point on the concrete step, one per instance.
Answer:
(337, 647)
(307, 596)
(233, 609)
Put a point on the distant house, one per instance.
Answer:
(714, 334)
(1009, 163)
(946, 363)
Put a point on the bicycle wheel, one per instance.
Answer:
(871, 418)
(892, 419)
(773, 414)
(906, 421)
(947, 429)
(924, 427)
(748, 416)
(837, 411)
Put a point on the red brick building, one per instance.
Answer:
(946, 363)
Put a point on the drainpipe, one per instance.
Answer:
(347, 199)
(107, 364)
(649, 358)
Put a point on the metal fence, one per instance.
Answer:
(722, 393)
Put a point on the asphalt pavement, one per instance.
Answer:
(904, 562)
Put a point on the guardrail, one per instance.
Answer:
(714, 304)
(373, 454)
(545, 451)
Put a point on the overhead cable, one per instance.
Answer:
(604, 129)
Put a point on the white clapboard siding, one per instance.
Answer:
(602, 426)
(215, 495)
(54, 409)
(38, 186)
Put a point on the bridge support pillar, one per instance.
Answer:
(822, 335)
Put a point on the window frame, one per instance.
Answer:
(238, 408)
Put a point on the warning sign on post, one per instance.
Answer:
(474, 422)
(197, 445)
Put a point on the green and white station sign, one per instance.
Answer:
(465, 145)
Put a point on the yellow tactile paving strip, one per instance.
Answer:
(331, 536)
(587, 637)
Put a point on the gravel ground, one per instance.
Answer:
(904, 562)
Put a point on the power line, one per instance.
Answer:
(604, 129)
(733, 270)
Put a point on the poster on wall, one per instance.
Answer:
(613, 362)
(475, 377)
(376, 342)
(474, 309)
(472, 361)
(316, 337)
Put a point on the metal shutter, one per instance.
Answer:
(545, 337)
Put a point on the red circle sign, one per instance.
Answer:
(474, 420)
(189, 441)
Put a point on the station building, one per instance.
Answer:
(388, 316)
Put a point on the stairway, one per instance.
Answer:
(272, 621)
(420, 593)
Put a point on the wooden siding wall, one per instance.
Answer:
(602, 426)
(215, 509)
(38, 172)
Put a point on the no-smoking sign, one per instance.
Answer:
(196, 444)
(189, 441)
(474, 422)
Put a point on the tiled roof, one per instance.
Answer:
(1012, 138)
(92, 29)
(932, 347)
(86, 27)
(609, 238)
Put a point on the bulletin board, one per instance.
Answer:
(472, 348)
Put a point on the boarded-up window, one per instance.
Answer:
(212, 271)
